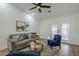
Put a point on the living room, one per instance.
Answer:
(58, 18)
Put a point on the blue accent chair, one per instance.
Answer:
(23, 53)
(55, 42)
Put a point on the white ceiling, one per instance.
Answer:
(57, 9)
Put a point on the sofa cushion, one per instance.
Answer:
(16, 37)
(26, 36)
(18, 43)
(21, 37)
(22, 42)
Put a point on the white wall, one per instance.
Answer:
(8, 16)
(73, 20)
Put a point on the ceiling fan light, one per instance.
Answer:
(38, 7)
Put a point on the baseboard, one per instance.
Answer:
(70, 44)
(4, 49)
(43, 38)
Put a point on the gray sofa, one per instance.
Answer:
(19, 41)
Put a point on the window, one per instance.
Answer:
(65, 31)
(54, 29)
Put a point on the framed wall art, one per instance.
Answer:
(22, 26)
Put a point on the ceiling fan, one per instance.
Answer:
(39, 6)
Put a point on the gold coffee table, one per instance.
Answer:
(37, 46)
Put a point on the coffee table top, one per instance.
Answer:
(37, 46)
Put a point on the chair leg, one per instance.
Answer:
(59, 46)
(51, 47)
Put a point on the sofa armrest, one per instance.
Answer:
(11, 40)
(11, 44)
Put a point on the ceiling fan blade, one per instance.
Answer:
(32, 8)
(45, 6)
(39, 10)
(34, 3)
(39, 4)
